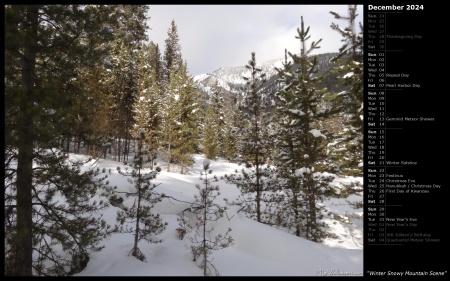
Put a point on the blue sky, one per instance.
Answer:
(214, 36)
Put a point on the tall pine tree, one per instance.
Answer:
(214, 131)
(255, 179)
(146, 222)
(350, 70)
(147, 108)
(302, 162)
(156, 61)
(47, 197)
(188, 120)
(124, 76)
(211, 143)
(181, 116)
(172, 51)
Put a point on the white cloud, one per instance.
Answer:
(214, 36)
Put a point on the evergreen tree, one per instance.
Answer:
(147, 223)
(181, 118)
(229, 130)
(170, 113)
(124, 89)
(124, 78)
(189, 103)
(211, 143)
(94, 129)
(350, 70)
(65, 226)
(214, 130)
(302, 162)
(156, 61)
(255, 143)
(172, 51)
(217, 103)
(207, 212)
(181, 115)
(235, 127)
(47, 196)
(148, 105)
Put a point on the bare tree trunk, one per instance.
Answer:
(258, 175)
(115, 149)
(68, 144)
(118, 149)
(78, 145)
(138, 214)
(168, 162)
(136, 234)
(296, 213)
(23, 246)
(94, 151)
(313, 214)
(125, 149)
(205, 212)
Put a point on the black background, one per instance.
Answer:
(422, 142)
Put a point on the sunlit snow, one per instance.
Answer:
(258, 249)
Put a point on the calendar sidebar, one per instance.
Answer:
(404, 200)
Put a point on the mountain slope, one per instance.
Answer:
(230, 78)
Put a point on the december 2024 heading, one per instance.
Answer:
(395, 8)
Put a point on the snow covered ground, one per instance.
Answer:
(258, 249)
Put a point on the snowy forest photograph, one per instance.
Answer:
(170, 140)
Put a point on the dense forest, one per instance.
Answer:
(86, 79)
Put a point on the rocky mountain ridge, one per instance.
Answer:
(230, 78)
